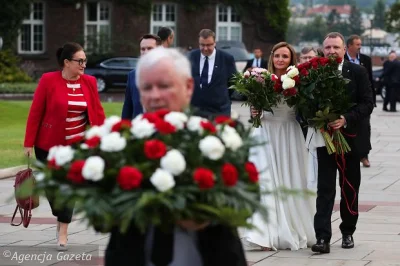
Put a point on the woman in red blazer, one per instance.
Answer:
(65, 103)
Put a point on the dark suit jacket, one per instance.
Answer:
(214, 100)
(264, 64)
(366, 62)
(391, 72)
(132, 106)
(363, 140)
(218, 245)
(360, 93)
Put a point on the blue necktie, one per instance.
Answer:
(204, 75)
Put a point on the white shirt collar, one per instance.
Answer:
(212, 56)
(341, 65)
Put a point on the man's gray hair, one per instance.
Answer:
(155, 56)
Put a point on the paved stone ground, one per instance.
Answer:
(377, 236)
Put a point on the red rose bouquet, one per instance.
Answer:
(321, 97)
(259, 88)
(157, 169)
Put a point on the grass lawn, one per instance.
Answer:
(13, 116)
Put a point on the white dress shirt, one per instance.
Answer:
(211, 62)
(257, 62)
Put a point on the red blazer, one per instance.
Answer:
(46, 122)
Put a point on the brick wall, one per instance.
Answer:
(65, 22)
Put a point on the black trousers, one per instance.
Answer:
(64, 215)
(391, 96)
(327, 168)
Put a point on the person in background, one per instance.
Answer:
(307, 53)
(363, 138)
(167, 36)
(258, 61)
(65, 103)
(212, 70)
(132, 106)
(391, 74)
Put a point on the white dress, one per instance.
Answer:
(283, 162)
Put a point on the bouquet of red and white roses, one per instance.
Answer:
(319, 93)
(259, 88)
(157, 169)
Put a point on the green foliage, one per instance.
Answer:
(9, 70)
(392, 18)
(12, 13)
(355, 22)
(18, 87)
(379, 11)
(353, 26)
(314, 30)
(257, 85)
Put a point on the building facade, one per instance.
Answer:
(109, 28)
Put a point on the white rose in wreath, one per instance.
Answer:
(176, 119)
(63, 155)
(142, 129)
(194, 124)
(162, 180)
(173, 162)
(231, 138)
(93, 169)
(212, 147)
(113, 142)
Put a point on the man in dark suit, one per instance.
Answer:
(212, 71)
(165, 82)
(363, 139)
(391, 74)
(258, 61)
(132, 106)
(361, 93)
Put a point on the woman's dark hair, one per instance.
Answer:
(67, 51)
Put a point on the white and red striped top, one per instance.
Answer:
(77, 115)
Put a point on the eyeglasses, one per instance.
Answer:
(207, 45)
(306, 57)
(80, 61)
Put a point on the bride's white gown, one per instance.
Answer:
(283, 162)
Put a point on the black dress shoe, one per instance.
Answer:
(322, 246)
(347, 241)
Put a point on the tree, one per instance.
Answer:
(333, 19)
(392, 18)
(355, 22)
(315, 30)
(379, 11)
(12, 14)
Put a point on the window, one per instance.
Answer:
(163, 15)
(97, 27)
(229, 26)
(31, 37)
